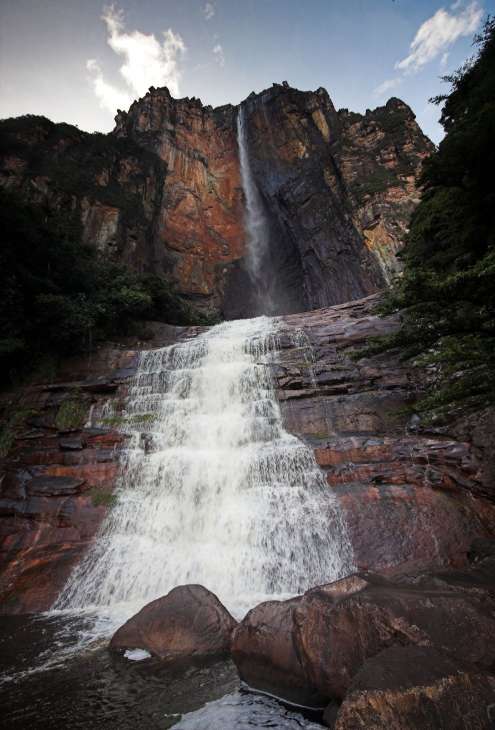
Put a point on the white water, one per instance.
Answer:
(213, 488)
(255, 222)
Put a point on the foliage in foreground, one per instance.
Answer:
(59, 297)
(447, 291)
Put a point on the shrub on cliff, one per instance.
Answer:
(447, 291)
(59, 297)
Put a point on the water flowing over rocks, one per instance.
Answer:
(413, 497)
(213, 489)
(189, 623)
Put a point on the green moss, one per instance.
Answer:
(135, 419)
(100, 498)
(10, 427)
(71, 414)
(114, 421)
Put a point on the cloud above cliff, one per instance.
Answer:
(438, 33)
(147, 61)
(434, 38)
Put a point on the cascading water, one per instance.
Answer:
(213, 489)
(255, 223)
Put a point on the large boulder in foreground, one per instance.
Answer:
(187, 623)
(309, 649)
(410, 687)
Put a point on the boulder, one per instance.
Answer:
(187, 623)
(311, 648)
(410, 687)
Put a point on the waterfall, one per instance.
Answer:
(213, 489)
(256, 224)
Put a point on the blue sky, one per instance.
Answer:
(77, 61)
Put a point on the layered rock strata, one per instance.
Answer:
(414, 497)
(163, 192)
(57, 479)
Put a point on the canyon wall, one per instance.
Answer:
(415, 497)
(163, 193)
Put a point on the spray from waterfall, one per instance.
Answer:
(255, 222)
(213, 490)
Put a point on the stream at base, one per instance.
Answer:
(213, 490)
(98, 691)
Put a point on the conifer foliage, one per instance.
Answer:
(447, 290)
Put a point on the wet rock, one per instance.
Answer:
(71, 444)
(413, 499)
(189, 623)
(416, 687)
(481, 549)
(266, 651)
(312, 647)
(46, 486)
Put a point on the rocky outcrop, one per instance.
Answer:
(59, 473)
(414, 496)
(317, 647)
(163, 192)
(380, 156)
(189, 623)
(411, 687)
(338, 187)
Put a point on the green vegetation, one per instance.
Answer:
(99, 497)
(72, 413)
(78, 163)
(59, 297)
(379, 180)
(447, 291)
(136, 419)
(10, 425)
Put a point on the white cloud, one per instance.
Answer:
(219, 55)
(147, 62)
(387, 85)
(438, 33)
(110, 97)
(209, 10)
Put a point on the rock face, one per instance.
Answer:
(188, 623)
(416, 687)
(163, 192)
(311, 649)
(414, 496)
(57, 479)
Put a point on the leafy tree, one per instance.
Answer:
(447, 290)
(59, 297)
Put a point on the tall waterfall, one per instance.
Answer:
(213, 489)
(255, 223)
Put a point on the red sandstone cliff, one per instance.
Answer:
(163, 191)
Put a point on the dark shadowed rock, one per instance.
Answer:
(313, 646)
(187, 623)
(409, 687)
(54, 486)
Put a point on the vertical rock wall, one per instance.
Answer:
(163, 192)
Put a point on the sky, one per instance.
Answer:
(79, 60)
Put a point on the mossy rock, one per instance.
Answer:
(71, 414)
